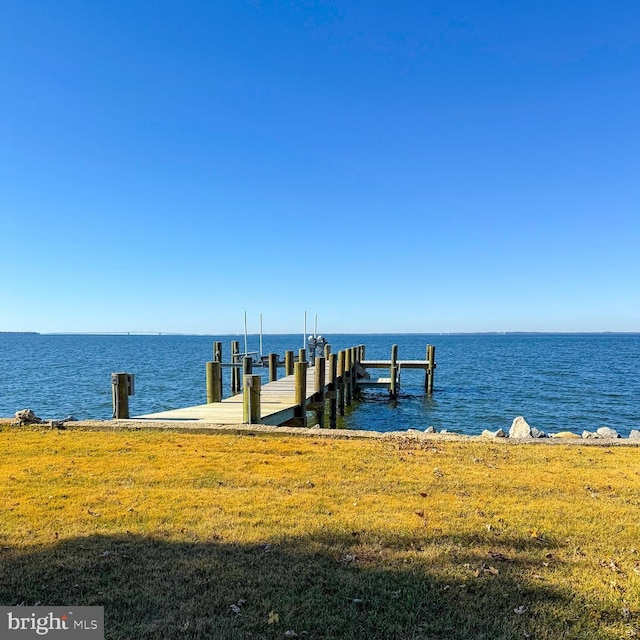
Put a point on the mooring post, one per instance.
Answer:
(288, 363)
(251, 399)
(302, 355)
(340, 382)
(300, 376)
(393, 372)
(247, 366)
(332, 369)
(235, 371)
(273, 367)
(430, 373)
(318, 380)
(347, 377)
(214, 378)
(120, 391)
(355, 360)
(217, 351)
(327, 351)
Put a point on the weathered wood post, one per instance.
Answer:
(214, 379)
(120, 392)
(247, 366)
(327, 351)
(273, 367)
(300, 377)
(302, 355)
(340, 382)
(235, 371)
(393, 373)
(355, 361)
(251, 399)
(430, 373)
(318, 381)
(288, 363)
(347, 377)
(332, 369)
(217, 357)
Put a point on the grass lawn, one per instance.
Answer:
(229, 537)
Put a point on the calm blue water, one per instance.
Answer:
(556, 381)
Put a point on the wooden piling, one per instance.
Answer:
(235, 371)
(120, 395)
(300, 377)
(214, 379)
(273, 367)
(217, 351)
(430, 373)
(251, 399)
(302, 355)
(340, 382)
(327, 351)
(319, 378)
(332, 369)
(393, 372)
(347, 377)
(288, 363)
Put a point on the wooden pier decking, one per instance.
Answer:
(277, 405)
(329, 383)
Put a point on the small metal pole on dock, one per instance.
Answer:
(393, 373)
(300, 375)
(318, 379)
(340, 382)
(120, 392)
(288, 363)
(214, 379)
(430, 373)
(273, 367)
(251, 399)
(235, 371)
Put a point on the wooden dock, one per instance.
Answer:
(324, 386)
(277, 405)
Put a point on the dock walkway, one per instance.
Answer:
(277, 405)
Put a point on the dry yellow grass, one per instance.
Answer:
(326, 538)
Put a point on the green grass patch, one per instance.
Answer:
(224, 536)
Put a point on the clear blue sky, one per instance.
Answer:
(389, 165)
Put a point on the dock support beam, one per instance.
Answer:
(235, 371)
(332, 370)
(347, 377)
(273, 367)
(288, 363)
(320, 365)
(340, 382)
(430, 372)
(251, 399)
(120, 395)
(393, 373)
(214, 382)
(300, 377)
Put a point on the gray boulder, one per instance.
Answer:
(588, 434)
(494, 434)
(430, 430)
(520, 428)
(607, 432)
(634, 434)
(26, 416)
